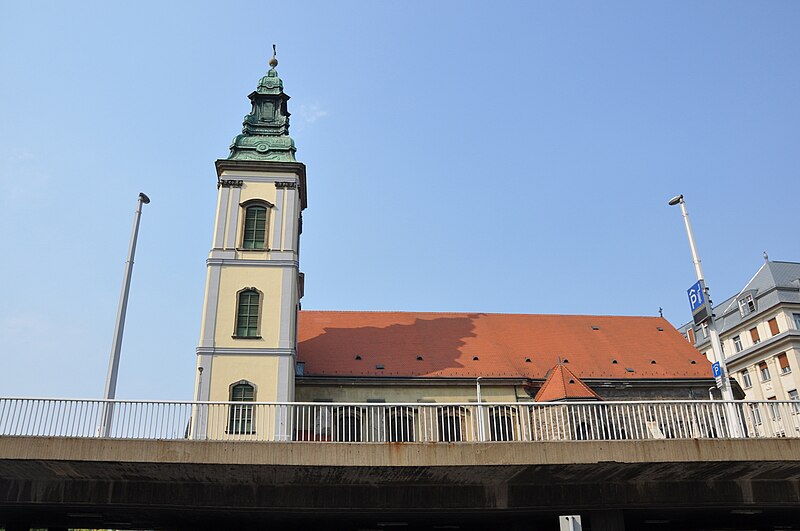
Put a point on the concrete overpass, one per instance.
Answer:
(667, 484)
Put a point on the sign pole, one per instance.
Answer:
(705, 300)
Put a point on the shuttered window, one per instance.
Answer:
(754, 335)
(773, 326)
(783, 362)
(255, 227)
(247, 314)
(764, 370)
(240, 417)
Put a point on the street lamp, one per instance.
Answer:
(116, 344)
(716, 346)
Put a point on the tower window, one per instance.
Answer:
(247, 313)
(255, 227)
(240, 416)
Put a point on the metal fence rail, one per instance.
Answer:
(381, 423)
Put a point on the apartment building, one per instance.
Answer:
(759, 329)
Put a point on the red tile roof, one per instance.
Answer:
(467, 345)
(562, 384)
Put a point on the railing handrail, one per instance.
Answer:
(399, 421)
(407, 404)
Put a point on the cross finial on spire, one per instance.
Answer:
(273, 62)
(660, 311)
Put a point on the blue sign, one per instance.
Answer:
(716, 369)
(696, 296)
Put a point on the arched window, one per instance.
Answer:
(450, 427)
(348, 424)
(254, 235)
(247, 313)
(240, 417)
(399, 421)
(501, 423)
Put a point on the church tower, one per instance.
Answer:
(248, 338)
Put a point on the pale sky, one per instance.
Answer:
(511, 157)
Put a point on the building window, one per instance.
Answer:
(737, 343)
(754, 336)
(254, 235)
(449, 424)
(747, 305)
(796, 317)
(240, 416)
(756, 414)
(690, 336)
(348, 424)
(775, 409)
(399, 424)
(501, 423)
(773, 326)
(783, 363)
(764, 371)
(247, 313)
(794, 397)
(746, 382)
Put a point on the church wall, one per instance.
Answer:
(261, 371)
(393, 392)
(267, 280)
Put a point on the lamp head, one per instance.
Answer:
(675, 200)
(144, 198)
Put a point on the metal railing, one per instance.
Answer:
(411, 422)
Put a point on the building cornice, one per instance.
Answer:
(775, 342)
(297, 168)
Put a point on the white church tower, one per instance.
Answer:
(248, 338)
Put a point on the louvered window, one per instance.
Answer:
(783, 362)
(255, 227)
(773, 326)
(247, 313)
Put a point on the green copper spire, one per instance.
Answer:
(265, 131)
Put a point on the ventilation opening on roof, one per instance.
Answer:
(629, 369)
(474, 358)
(595, 328)
(358, 357)
(652, 362)
(693, 362)
(565, 360)
(571, 381)
(527, 360)
(660, 329)
(419, 358)
(614, 362)
(379, 366)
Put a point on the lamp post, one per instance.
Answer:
(716, 346)
(116, 344)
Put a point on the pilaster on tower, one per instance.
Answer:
(248, 338)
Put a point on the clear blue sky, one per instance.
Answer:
(497, 157)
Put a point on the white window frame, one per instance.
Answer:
(737, 343)
(746, 381)
(747, 305)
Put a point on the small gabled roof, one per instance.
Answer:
(562, 384)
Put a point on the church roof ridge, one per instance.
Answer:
(429, 312)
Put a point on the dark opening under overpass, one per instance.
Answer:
(656, 484)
